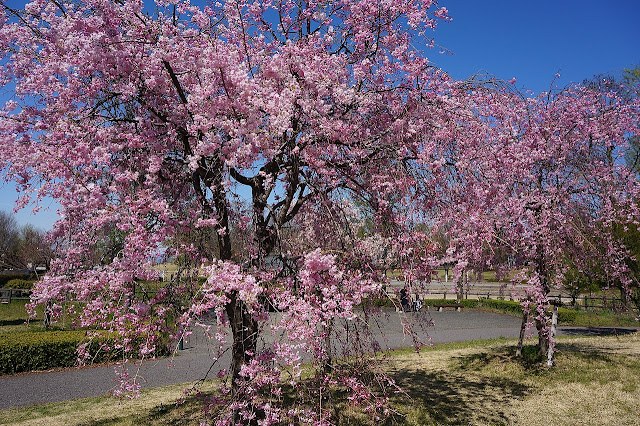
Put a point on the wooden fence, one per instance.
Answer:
(583, 301)
(7, 295)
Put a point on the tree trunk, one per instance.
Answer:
(543, 338)
(464, 279)
(328, 361)
(47, 315)
(244, 329)
(541, 269)
(525, 316)
(552, 336)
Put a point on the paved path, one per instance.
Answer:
(193, 363)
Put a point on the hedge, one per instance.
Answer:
(32, 351)
(18, 283)
(465, 303)
(506, 306)
(5, 278)
(567, 315)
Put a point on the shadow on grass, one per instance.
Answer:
(598, 331)
(456, 399)
(189, 412)
(12, 322)
(479, 387)
(530, 361)
(464, 393)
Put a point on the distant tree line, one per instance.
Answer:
(22, 247)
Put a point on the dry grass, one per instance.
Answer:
(162, 405)
(596, 381)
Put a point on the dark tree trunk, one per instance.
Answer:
(543, 339)
(47, 315)
(525, 317)
(244, 329)
(543, 335)
(328, 361)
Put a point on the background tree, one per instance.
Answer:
(589, 273)
(35, 251)
(24, 248)
(542, 182)
(9, 241)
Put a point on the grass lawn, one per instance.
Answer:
(596, 381)
(14, 315)
(13, 318)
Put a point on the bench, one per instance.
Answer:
(441, 307)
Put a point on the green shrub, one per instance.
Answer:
(465, 303)
(32, 351)
(18, 283)
(377, 302)
(38, 350)
(506, 306)
(567, 316)
(5, 278)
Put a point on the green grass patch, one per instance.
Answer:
(566, 316)
(161, 405)
(15, 313)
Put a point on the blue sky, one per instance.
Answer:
(531, 41)
(534, 40)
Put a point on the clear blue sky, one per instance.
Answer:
(531, 41)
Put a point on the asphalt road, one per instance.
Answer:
(195, 361)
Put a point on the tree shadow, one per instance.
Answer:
(587, 352)
(473, 389)
(598, 331)
(13, 322)
(458, 398)
(531, 361)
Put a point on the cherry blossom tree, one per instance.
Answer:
(539, 184)
(150, 122)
